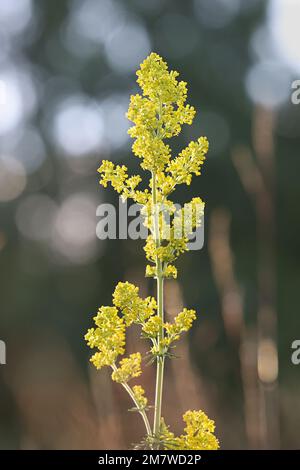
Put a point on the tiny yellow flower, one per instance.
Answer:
(189, 161)
(129, 368)
(183, 322)
(134, 308)
(152, 326)
(139, 395)
(108, 337)
(170, 271)
(199, 432)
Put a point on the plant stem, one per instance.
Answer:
(141, 411)
(160, 363)
(160, 307)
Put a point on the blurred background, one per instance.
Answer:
(67, 70)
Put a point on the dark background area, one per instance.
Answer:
(67, 70)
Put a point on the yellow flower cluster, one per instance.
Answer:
(183, 322)
(167, 437)
(150, 271)
(198, 433)
(159, 114)
(129, 368)
(189, 161)
(151, 327)
(117, 176)
(172, 331)
(108, 337)
(170, 271)
(165, 253)
(174, 237)
(188, 218)
(139, 395)
(134, 308)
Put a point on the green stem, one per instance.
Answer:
(160, 363)
(140, 410)
(160, 307)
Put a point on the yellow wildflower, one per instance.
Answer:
(183, 322)
(159, 114)
(139, 395)
(129, 368)
(152, 326)
(150, 271)
(108, 337)
(189, 161)
(170, 271)
(167, 437)
(134, 308)
(116, 175)
(199, 432)
(188, 218)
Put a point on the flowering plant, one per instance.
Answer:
(158, 115)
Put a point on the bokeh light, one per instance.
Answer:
(74, 234)
(268, 83)
(128, 47)
(92, 23)
(15, 15)
(217, 14)
(78, 126)
(12, 178)
(28, 147)
(35, 217)
(267, 361)
(18, 96)
(116, 124)
(283, 20)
